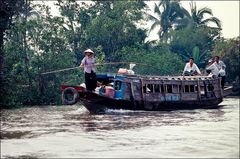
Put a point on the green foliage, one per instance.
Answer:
(194, 42)
(196, 18)
(196, 54)
(45, 43)
(8, 10)
(170, 16)
(46, 49)
(157, 61)
(114, 27)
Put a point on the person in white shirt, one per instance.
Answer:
(219, 63)
(212, 69)
(191, 68)
(88, 63)
(221, 67)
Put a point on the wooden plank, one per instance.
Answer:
(189, 96)
(199, 91)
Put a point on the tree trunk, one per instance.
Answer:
(26, 59)
(25, 46)
(2, 87)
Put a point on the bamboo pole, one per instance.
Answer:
(73, 68)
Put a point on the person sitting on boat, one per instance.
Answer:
(212, 69)
(221, 67)
(88, 63)
(191, 68)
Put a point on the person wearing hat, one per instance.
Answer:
(88, 63)
(221, 67)
(191, 68)
(212, 69)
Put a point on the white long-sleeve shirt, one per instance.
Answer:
(214, 69)
(88, 64)
(220, 64)
(193, 68)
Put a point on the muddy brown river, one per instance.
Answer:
(71, 132)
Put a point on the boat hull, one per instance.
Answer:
(96, 104)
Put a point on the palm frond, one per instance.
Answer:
(152, 18)
(153, 26)
(203, 11)
(160, 33)
(193, 8)
(161, 3)
(213, 20)
(157, 9)
(185, 12)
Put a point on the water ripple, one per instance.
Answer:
(70, 131)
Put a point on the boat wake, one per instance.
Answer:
(120, 111)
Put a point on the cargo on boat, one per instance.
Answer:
(150, 93)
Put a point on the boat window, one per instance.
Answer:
(186, 88)
(118, 85)
(136, 87)
(180, 88)
(144, 89)
(175, 88)
(162, 88)
(156, 88)
(196, 88)
(191, 88)
(202, 90)
(150, 87)
(210, 87)
(169, 88)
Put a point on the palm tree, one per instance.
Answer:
(168, 14)
(196, 19)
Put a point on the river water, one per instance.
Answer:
(71, 132)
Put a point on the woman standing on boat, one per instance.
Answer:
(191, 68)
(88, 63)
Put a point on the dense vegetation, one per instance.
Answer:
(34, 41)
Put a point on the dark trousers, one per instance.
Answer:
(90, 81)
(191, 73)
(222, 81)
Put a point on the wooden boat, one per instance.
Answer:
(150, 93)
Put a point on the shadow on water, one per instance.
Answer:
(35, 122)
(124, 119)
(22, 157)
(13, 134)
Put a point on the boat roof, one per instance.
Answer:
(152, 77)
(171, 77)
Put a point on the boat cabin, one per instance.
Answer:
(163, 88)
